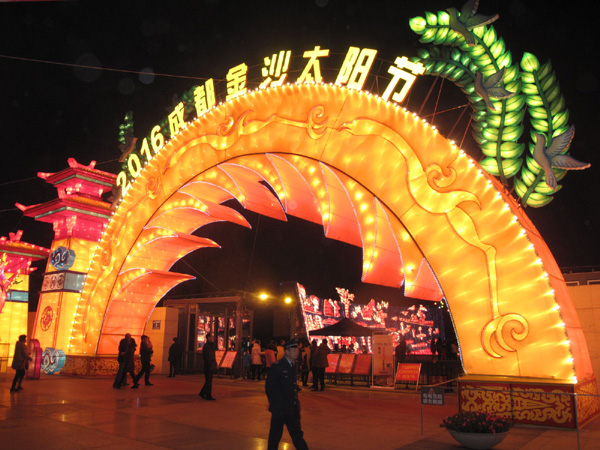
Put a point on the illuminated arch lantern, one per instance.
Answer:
(16, 257)
(375, 176)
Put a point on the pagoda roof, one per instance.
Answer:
(83, 172)
(14, 246)
(67, 205)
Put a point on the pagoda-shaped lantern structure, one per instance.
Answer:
(15, 266)
(78, 216)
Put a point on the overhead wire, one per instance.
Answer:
(458, 120)
(437, 101)
(108, 69)
(200, 275)
(427, 96)
(6, 183)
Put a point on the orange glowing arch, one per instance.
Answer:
(375, 176)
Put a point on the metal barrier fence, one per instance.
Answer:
(442, 370)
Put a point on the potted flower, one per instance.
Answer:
(477, 430)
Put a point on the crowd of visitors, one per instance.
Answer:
(285, 366)
(257, 361)
(443, 349)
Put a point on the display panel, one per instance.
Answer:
(418, 324)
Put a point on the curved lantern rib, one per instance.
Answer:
(137, 295)
(254, 196)
(160, 248)
(340, 220)
(425, 285)
(190, 214)
(383, 264)
(299, 200)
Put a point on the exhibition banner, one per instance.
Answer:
(332, 362)
(346, 363)
(383, 361)
(363, 365)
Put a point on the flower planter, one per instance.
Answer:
(478, 441)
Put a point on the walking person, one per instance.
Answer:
(313, 353)
(210, 367)
(246, 363)
(279, 349)
(146, 351)
(304, 362)
(175, 352)
(282, 392)
(400, 351)
(127, 348)
(320, 363)
(20, 362)
(256, 354)
(270, 356)
(433, 347)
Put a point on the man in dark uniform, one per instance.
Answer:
(210, 367)
(282, 392)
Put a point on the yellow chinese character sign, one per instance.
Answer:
(275, 70)
(236, 81)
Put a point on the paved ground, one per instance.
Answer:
(83, 413)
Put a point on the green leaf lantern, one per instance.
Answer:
(466, 50)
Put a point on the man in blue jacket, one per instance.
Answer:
(282, 392)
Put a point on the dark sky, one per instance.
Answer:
(51, 111)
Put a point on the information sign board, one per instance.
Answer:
(408, 373)
(228, 359)
(432, 395)
(219, 356)
(332, 359)
(363, 365)
(383, 361)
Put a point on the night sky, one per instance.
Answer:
(56, 109)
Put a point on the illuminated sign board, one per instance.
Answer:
(353, 73)
(418, 325)
(62, 258)
(408, 372)
(66, 280)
